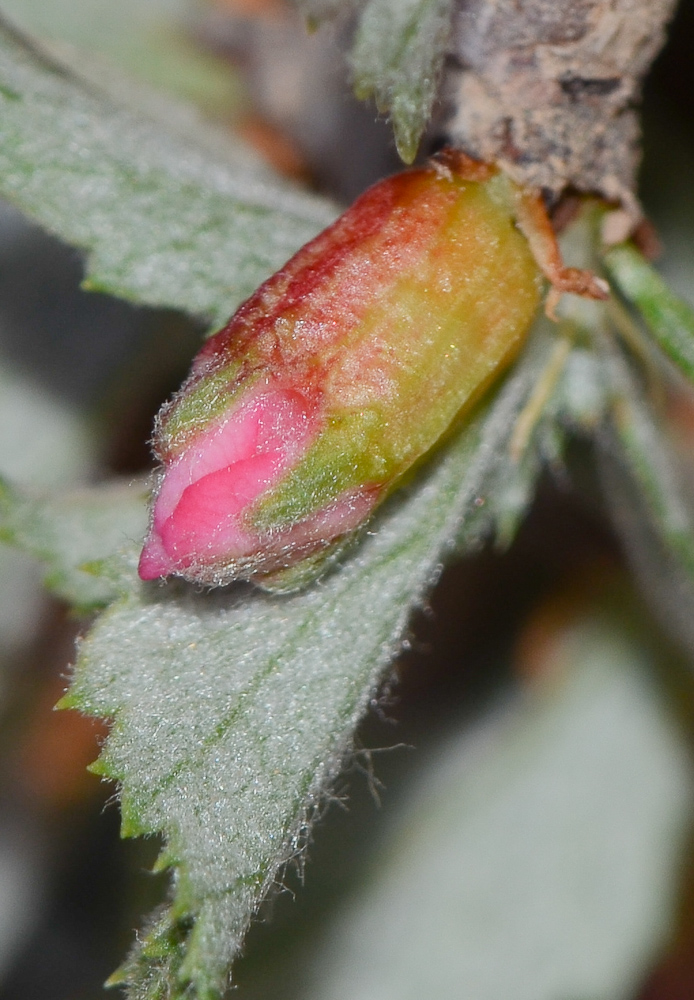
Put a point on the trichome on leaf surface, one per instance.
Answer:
(405, 346)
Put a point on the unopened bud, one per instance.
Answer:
(339, 374)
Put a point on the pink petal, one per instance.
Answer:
(204, 525)
(196, 517)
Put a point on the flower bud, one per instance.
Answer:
(338, 375)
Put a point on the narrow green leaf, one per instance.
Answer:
(649, 500)
(397, 59)
(71, 532)
(163, 224)
(233, 710)
(669, 318)
(317, 11)
(647, 454)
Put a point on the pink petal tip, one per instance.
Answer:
(154, 560)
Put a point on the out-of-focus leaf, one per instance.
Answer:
(146, 38)
(661, 575)
(537, 856)
(322, 10)
(397, 58)
(162, 224)
(43, 440)
(669, 318)
(44, 444)
(645, 452)
(72, 530)
(581, 398)
(569, 395)
(23, 877)
(646, 490)
(233, 710)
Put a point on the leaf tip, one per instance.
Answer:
(117, 978)
(406, 143)
(68, 701)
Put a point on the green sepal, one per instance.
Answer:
(312, 568)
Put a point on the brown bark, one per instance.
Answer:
(548, 88)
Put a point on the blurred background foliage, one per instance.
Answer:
(518, 823)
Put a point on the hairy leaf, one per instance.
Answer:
(147, 38)
(397, 58)
(162, 223)
(233, 710)
(551, 832)
(71, 532)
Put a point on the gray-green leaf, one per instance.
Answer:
(645, 451)
(72, 532)
(163, 224)
(233, 711)
(551, 834)
(146, 38)
(397, 59)
(649, 496)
